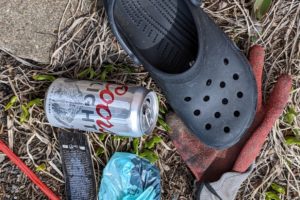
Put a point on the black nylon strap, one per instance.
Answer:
(77, 166)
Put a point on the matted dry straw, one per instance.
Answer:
(84, 40)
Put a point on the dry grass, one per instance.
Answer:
(84, 40)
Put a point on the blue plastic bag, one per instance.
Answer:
(129, 177)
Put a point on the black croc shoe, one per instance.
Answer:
(206, 79)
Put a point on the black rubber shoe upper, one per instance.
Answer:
(206, 79)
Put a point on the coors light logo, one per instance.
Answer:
(66, 110)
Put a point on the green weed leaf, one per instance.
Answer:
(152, 142)
(292, 140)
(41, 167)
(84, 73)
(24, 115)
(37, 102)
(93, 74)
(253, 39)
(278, 188)
(296, 131)
(25, 107)
(43, 77)
(87, 73)
(163, 124)
(149, 155)
(289, 118)
(11, 103)
(116, 137)
(129, 70)
(290, 115)
(107, 69)
(261, 7)
(136, 144)
(162, 109)
(100, 151)
(102, 137)
(272, 196)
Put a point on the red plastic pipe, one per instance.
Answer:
(27, 171)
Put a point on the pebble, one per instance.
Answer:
(4, 90)
(2, 157)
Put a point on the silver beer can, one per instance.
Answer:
(101, 107)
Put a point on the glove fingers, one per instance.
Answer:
(195, 154)
(274, 109)
(257, 59)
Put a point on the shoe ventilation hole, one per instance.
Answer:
(222, 84)
(226, 129)
(206, 98)
(208, 126)
(208, 82)
(226, 61)
(197, 112)
(237, 113)
(236, 77)
(187, 99)
(191, 63)
(240, 95)
(217, 115)
(225, 101)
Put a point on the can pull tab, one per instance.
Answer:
(147, 113)
(196, 2)
(147, 117)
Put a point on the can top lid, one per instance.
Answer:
(149, 113)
